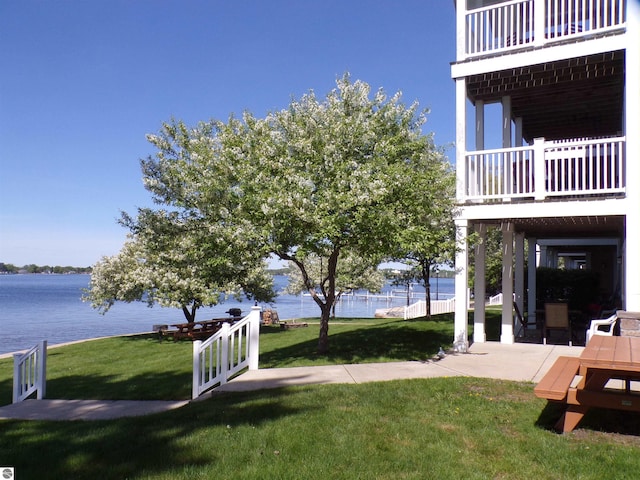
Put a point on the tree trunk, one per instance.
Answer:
(323, 339)
(190, 315)
(426, 269)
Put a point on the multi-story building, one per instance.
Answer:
(564, 177)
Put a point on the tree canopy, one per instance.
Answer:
(329, 178)
(428, 208)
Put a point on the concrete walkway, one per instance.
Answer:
(518, 362)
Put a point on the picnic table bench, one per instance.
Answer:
(555, 384)
(601, 377)
(196, 330)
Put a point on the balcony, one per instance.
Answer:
(506, 26)
(563, 168)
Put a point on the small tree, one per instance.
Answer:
(325, 178)
(194, 253)
(352, 274)
(318, 180)
(427, 209)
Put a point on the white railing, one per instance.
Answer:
(232, 349)
(561, 168)
(585, 166)
(29, 373)
(419, 309)
(500, 173)
(519, 23)
(496, 299)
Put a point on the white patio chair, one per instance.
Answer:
(602, 326)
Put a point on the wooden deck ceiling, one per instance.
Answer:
(573, 98)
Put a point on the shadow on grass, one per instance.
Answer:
(597, 420)
(395, 341)
(146, 386)
(136, 447)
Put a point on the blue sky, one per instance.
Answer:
(83, 82)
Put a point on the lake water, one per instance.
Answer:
(49, 307)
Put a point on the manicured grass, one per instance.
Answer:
(413, 429)
(142, 368)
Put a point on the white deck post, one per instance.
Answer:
(519, 272)
(224, 353)
(539, 170)
(461, 29)
(461, 335)
(506, 335)
(538, 23)
(42, 370)
(480, 288)
(254, 338)
(632, 127)
(531, 278)
(461, 166)
(195, 381)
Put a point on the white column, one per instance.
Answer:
(480, 289)
(538, 23)
(479, 124)
(519, 271)
(632, 127)
(254, 337)
(461, 336)
(461, 29)
(506, 122)
(539, 170)
(531, 279)
(506, 334)
(543, 256)
(518, 133)
(461, 119)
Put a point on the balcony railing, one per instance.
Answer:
(521, 23)
(577, 167)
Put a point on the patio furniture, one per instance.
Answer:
(606, 375)
(602, 326)
(556, 317)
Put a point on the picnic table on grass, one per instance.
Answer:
(605, 375)
(196, 330)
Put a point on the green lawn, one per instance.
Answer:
(412, 429)
(143, 368)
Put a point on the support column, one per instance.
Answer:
(506, 122)
(461, 335)
(479, 124)
(479, 284)
(632, 127)
(519, 272)
(461, 143)
(518, 133)
(531, 279)
(544, 262)
(506, 333)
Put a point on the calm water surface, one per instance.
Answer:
(49, 307)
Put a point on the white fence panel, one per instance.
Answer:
(30, 373)
(419, 309)
(496, 299)
(226, 353)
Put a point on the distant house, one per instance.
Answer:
(564, 179)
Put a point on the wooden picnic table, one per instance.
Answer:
(601, 377)
(197, 330)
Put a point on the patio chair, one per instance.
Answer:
(556, 317)
(602, 326)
